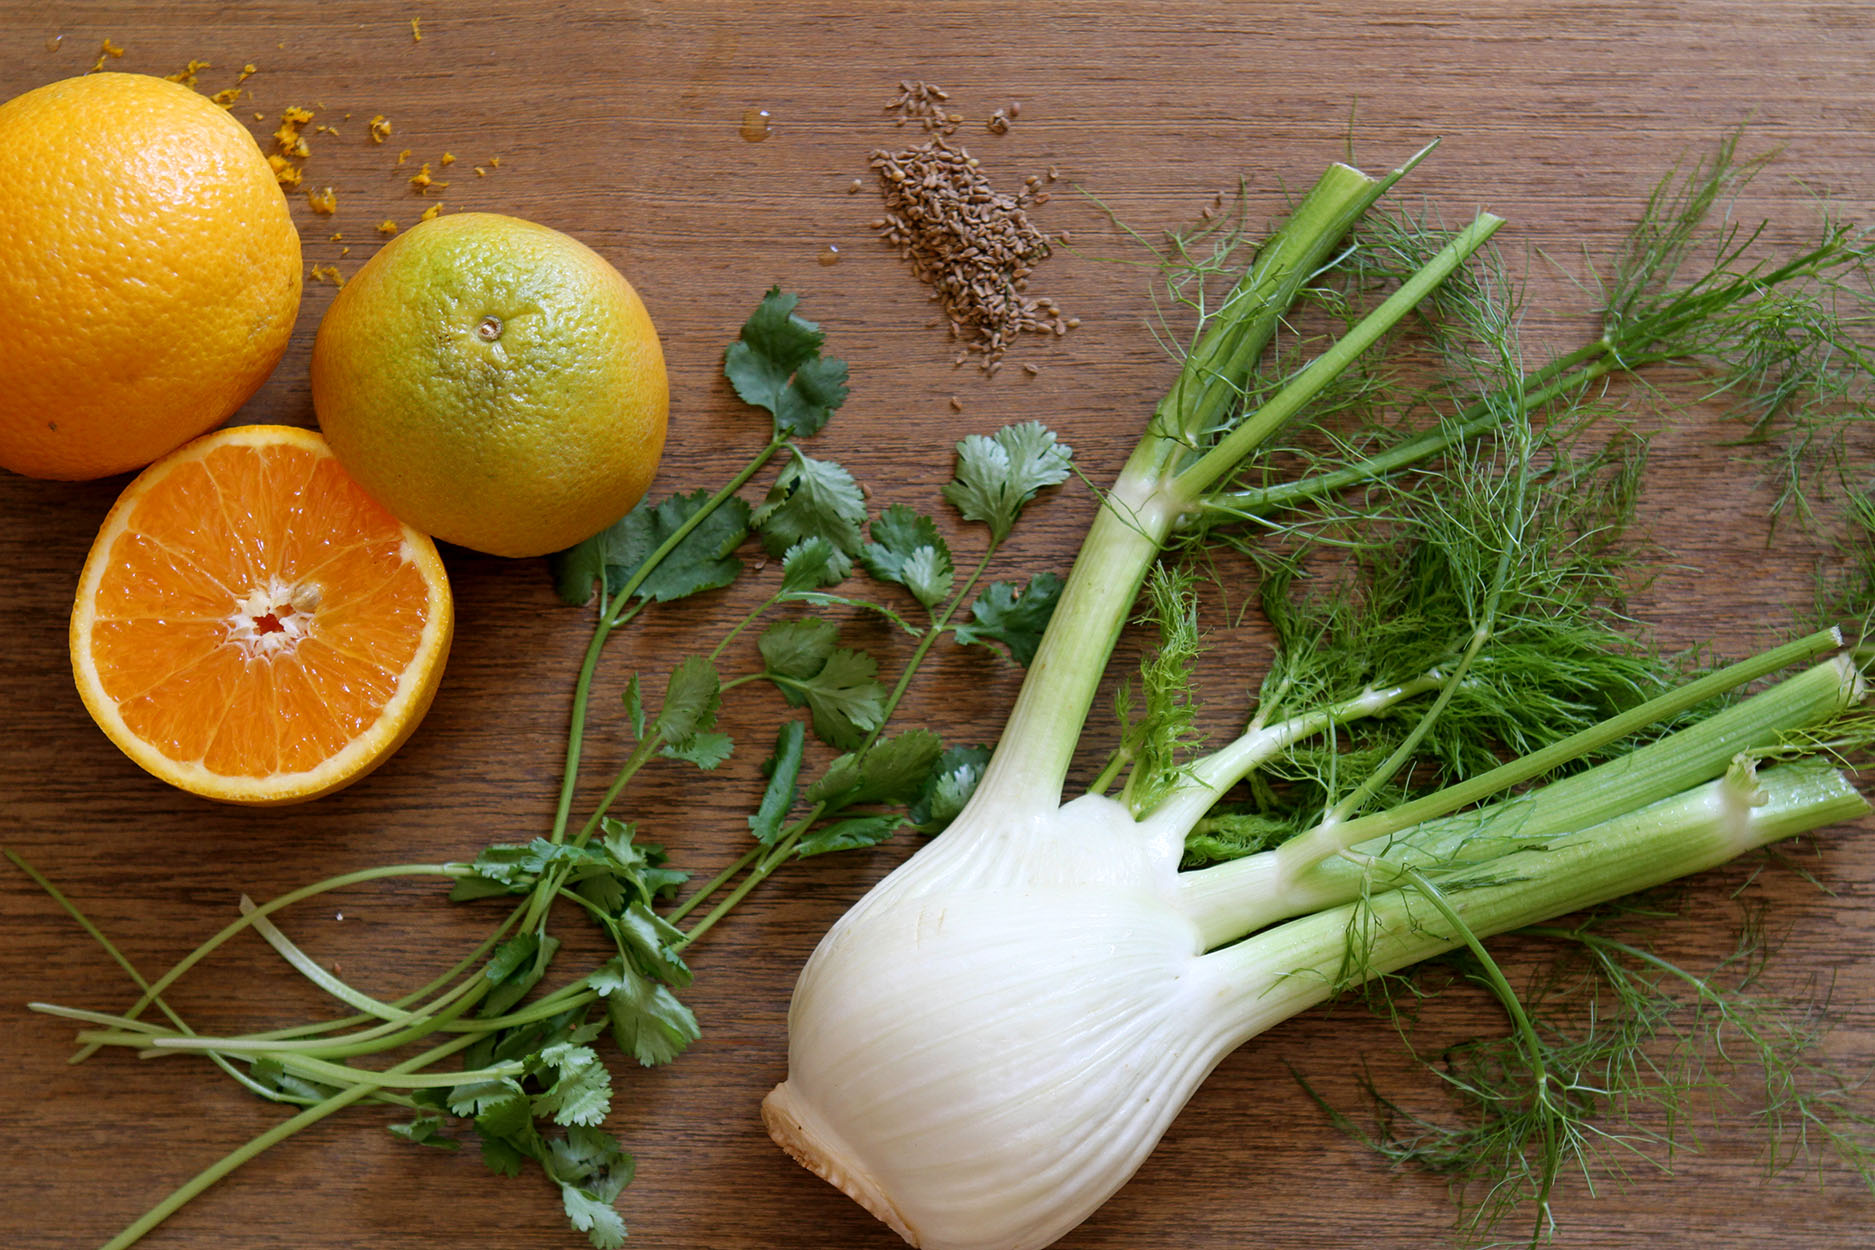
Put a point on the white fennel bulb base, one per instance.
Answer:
(981, 1059)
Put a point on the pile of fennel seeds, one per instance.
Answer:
(973, 245)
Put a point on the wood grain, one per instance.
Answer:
(619, 123)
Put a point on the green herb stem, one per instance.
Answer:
(404, 1002)
(710, 887)
(186, 1192)
(1236, 333)
(1207, 780)
(235, 928)
(1565, 376)
(310, 968)
(761, 862)
(1552, 1115)
(614, 615)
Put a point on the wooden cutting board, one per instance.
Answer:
(640, 128)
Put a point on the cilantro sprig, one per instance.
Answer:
(503, 1051)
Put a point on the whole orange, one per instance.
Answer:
(149, 273)
(493, 382)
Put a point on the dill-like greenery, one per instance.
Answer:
(1618, 1050)
(1160, 734)
(1497, 564)
(1464, 515)
(1783, 340)
(1846, 587)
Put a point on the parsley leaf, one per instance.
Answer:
(691, 698)
(776, 364)
(425, 1130)
(848, 835)
(839, 687)
(704, 560)
(687, 718)
(648, 1022)
(635, 707)
(1014, 617)
(497, 1100)
(636, 869)
(808, 565)
(948, 786)
(640, 866)
(581, 1090)
(813, 499)
(999, 473)
(783, 768)
(797, 649)
(516, 967)
(592, 1171)
(893, 771)
(500, 1155)
(650, 942)
(705, 750)
(906, 548)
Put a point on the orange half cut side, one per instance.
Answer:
(252, 627)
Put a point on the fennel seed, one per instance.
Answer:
(923, 102)
(972, 245)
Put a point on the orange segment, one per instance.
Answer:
(251, 627)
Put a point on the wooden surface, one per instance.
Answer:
(620, 124)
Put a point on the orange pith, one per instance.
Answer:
(250, 626)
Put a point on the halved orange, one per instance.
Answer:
(252, 627)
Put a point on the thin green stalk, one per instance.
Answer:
(1207, 780)
(152, 995)
(391, 1035)
(763, 869)
(765, 864)
(1193, 482)
(714, 884)
(582, 686)
(186, 1193)
(138, 1028)
(640, 756)
(1546, 385)
(1552, 1114)
(1318, 843)
(472, 960)
(398, 1077)
(153, 990)
(1211, 382)
(569, 997)
(310, 968)
(614, 615)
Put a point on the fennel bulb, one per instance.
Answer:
(995, 1037)
(991, 1042)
